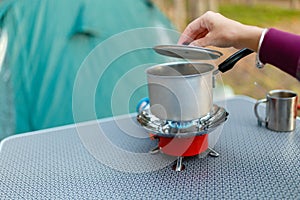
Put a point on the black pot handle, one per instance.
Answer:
(233, 59)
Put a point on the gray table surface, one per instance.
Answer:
(76, 162)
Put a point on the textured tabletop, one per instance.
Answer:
(108, 159)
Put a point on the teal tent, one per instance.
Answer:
(69, 61)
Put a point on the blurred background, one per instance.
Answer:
(43, 44)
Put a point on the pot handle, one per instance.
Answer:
(233, 59)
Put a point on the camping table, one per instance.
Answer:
(108, 159)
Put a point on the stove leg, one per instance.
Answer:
(178, 167)
(213, 153)
(155, 150)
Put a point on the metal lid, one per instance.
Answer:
(187, 52)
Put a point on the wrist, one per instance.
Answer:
(250, 36)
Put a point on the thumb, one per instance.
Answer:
(202, 42)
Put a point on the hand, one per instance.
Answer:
(213, 29)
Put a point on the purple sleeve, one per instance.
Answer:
(282, 50)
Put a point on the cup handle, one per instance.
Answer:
(259, 119)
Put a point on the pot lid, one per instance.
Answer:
(187, 52)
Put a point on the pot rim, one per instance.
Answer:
(169, 64)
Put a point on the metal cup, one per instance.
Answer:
(281, 110)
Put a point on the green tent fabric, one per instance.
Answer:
(55, 51)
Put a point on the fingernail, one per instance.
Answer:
(185, 43)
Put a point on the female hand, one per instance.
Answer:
(213, 29)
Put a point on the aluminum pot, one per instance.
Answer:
(180, 91)
(183, 91)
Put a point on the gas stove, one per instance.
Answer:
(182, 138)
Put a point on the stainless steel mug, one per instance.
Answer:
(281, 110)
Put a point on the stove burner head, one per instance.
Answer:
(179, 125)
(167, 128)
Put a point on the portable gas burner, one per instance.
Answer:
(181, 139)
(181, 113)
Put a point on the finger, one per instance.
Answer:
(202, 34)
(192, 32)
(202, 42)
(186, 39)
(207, 40)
